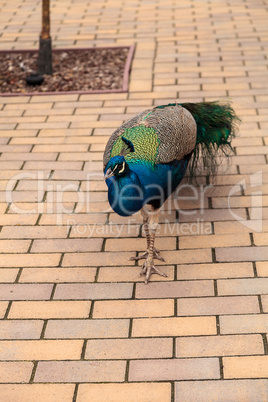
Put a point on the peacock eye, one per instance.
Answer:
(120, 167)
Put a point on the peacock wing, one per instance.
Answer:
(159, 135)
(176, 130)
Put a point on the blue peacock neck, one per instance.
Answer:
(125, 191)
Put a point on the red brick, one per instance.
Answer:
(174, 369)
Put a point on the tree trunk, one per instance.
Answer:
(45, 47)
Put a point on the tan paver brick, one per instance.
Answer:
(20, 329)
(14, 246)
(19, 291)
(242, 286)
(131, 274)
(137, 244)
(15, 372)
(187, 256)
(227, 345)
(56, 275)
(173, 369)
(66, 245)
(245, 367)
(3, 308)
(264, 299)
(214, 241)
(8, 275)
(35, 392)
(80, 371)
(29, 260)
(243, 324)
(144, 348)
(94, 291)
(33, 232)
(50, 309)
(215, 271)
(97, 259)
(262, 268)
(242, 254)
(174, 326)
(87, 328)
(133, 308)
(157, 392)
(222, 391)
(40, 350)
(175, 289)
(218, 305)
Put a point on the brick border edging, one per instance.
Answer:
(131, 49)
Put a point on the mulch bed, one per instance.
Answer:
(100, 69)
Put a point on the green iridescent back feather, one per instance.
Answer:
(216, 126)
(145, 142)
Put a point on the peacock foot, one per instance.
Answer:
(144, 256)
(148, 269)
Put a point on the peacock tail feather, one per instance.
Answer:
(216, 126)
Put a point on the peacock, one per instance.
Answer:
(146, 158)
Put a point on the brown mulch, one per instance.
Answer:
(73, 70)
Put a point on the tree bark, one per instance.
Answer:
(45, 45)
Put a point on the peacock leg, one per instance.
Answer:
(144, 255)
(148, 267)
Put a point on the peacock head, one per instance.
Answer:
(117, 166)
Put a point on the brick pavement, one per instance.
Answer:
(77, 323)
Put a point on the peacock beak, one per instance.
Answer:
(109, 173)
